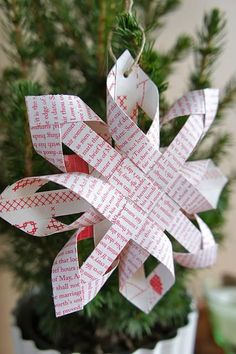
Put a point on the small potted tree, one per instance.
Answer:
(45, 37)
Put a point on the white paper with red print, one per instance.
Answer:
(144, 193)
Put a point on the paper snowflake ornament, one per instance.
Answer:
(140, 190)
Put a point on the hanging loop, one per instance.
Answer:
(129, 5)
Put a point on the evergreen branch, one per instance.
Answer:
(64, 14)
(21, 50)
(217, 150)
(155, 10)
(180, 49)
(220, 147)
(15, 122)
(208, 46)
(101, 39)
(227, 100)
(19, 92)
(126, 34)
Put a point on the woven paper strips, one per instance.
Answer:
(139, 189)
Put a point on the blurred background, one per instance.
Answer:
(186, 19)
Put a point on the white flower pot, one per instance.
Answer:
(183, 343)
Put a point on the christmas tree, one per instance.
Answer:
(62, 47)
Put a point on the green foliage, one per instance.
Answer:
(227, 100)
(208, 46)
(154, 11)
(66, 41)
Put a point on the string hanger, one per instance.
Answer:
(129, 6)
(128, 9)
